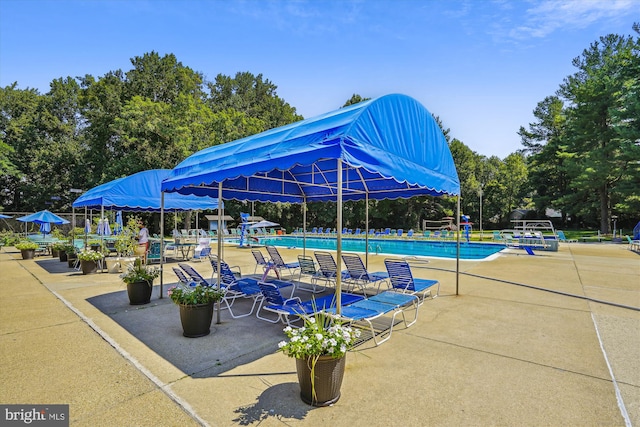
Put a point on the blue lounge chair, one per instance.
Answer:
(261, 261)
(386, 303)
(401, 279)
(308, 268)
(236, 282)
(183, 279)
(285, 309)
(328, 268)
(278, 263)
(563, 238)
(400, 231)
(358, 274)
(202, 254)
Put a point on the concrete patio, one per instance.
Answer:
(502, 352)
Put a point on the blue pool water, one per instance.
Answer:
(444, 249)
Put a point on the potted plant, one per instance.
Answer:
(320, 347)
(124, 245)
(89, 260)
(71, 254)
(56, 248)
(27, 248)
(196, 308)
(139, 280)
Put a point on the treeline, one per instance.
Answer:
(580, 158)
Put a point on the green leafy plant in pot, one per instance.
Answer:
(320, 347)
(27, 249)
(89, 260)
(139, 280)
(196, 308)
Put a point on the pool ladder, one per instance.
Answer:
(378, 249)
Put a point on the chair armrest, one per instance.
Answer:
(294, 299)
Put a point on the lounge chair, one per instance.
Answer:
(400, 231)
(401, 279)
(497, 236)
(371, 309)
(231, 292)
(278, 263)
(410, 233)
(231, 278)
(261, 261)
(202, 254)
(183, 279)
(563, 238)
(274, 302)
(308, 268)
(328, 268)
(358, 274)
(634, 245)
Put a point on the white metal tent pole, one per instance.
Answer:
(339, 242)
(161, 240)
(220, 213)
(304, 226)
(366, 229)
(85, 227)
(458, 250)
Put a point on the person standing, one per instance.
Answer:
(143, 236)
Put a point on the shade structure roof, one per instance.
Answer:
(42, 217)
(389, 147)
(141, 192)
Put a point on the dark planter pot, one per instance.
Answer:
(71, 259)
(139, 292)
(28, 253)
(196, 319)
(55, 253)
(88, 267)
(62, 255)
(328, 374)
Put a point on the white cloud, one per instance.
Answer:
(546, 17)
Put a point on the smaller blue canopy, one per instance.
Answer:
(141, 192)
(43, 217)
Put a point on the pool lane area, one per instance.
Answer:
(404, 247)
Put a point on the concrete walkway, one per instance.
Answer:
(499, 353)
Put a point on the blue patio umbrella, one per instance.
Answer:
(42, 217)
(4, 216)
(118, 227)
(45, 228)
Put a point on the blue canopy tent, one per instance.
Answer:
(386, 148)
(141, 192)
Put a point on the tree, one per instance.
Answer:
(252, 96)
(548, 179)
(597, 157)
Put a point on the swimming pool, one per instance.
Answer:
(443, 249)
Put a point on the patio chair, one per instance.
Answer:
(231, 278)
(328, 268)
(261, 261)
(183, 280)
(202, 254)
(153, 254)
(279, 264)
(358, 274)
(368, 311)
(308, 268)
(400, 231)
(563, 238)
(401, 279)
(274, 302)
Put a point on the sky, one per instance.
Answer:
(481, 66)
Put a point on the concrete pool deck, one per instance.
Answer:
(499, 353)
